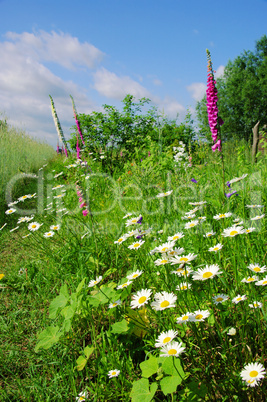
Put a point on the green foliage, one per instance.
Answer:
(242, 94)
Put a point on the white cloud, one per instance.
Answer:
(170, 107)
(197, 89)
(157, 82)
(111, 85)
(219, 72)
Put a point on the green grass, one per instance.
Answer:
(60, 338)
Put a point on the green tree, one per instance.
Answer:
(242, 94)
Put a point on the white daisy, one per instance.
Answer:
(134, 275)
(231, 332)
(176, 251)
(221, 216)
(82, 396)
(164, 248)
(202, 218)
(263, 282)
(94, 282)
(256, 268)
(12, 230)
(236, 179)
(127, 216)
(220, 298)
(183, 259)
(216, 248)
(198, 203)
(256, 218)
(120, 240)
(172, 349)
(192, 216)
(140, 298)
(49, 234)
(256, 304)
(165, 337)
(54, 227)
(58, 186)
(233, 231)
(209, 272)
(184, 318)
(175, 237)
(23, 198)
(183, 286)
(160, 195)
(249, 230)
(191, 224)
(131, 233)
(163, 300)
(199, 315)
(252, 373)
(124, 285)
(239, 298)
(254, 206)
(249, 279)
(181, 271)
(113, 373)
(2, 227)
(162, 261)
(133, 221)
(136, 245)
(208, 234)
(115, 304)
(34, 226)
(10, 211)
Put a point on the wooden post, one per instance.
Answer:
(255, 131)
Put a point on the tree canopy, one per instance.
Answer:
(242, 94)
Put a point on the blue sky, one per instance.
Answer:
(100, 50)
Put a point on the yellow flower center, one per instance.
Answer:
(113, 373)
(183, 287)
(184, 259)
(216, 248)
(191, 225)
(207, 275)
(264, 282)
(165, 303)
(247, 230)
(164, 261)
(33, 226)
(114, 304)
(164, 249)
(233, 232)
(25, 196)
(239, 298)
(209, 234)
(175, 237)
(219, 299)
(135, 275)
(257, 269)
(136, 244)
(120, 239)
(222, 216)
(125, 284)
(185, 317)
(134, 220)
(167, 339)
(250, 279)
(198, 316)
(253, 373)
(142, 300)
(172, 352)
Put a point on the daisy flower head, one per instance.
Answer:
(176, 251)
(183, 286)
(208, 234)
(23, 198)
(82, 396)
(24, 219)
(49, 234)
(124, 285)
(134, 275)
(115, 304)
(127, 215)
(256, 218)
(216, 248)
(263, 282)
(236, 179)
(175, 237)
(10, 211)
(160, 195)
(209, 272)
(54, 227)
(140, 298)
(190, 216)
(34, 226)
(202, 218)
(252, 373)
(133, 221)
(162, 261)
(231, 332)
(183, 259)
(254, 206)
(172, 349)
(249, 230)
(164, 248)
(198, 203)
(58, 186)
(182, 271)
(253, 278)
(184, 318)
(131, 233)
(94, 282)
(256, 304)
(200, 315)
(136, 245)
(120, 240)
(59, 195)
(113, 373)
(220, 298)
(233, 231)
(163, 300)
(165, 337)
(191, 224)
(221, 216)
(239, 298)
(256, 268)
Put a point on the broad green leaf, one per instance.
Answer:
(48, 337)
(69, 311)
(66, 325)
(82, 360)
(149, 367)
(120, 327)
(88, 351)
(80, 286)
(93, 301)
(64, 291)
(59, 302)
(172, 366)
(169, 384)
(141, 392)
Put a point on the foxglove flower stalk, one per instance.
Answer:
(76, 120)
(58, 126)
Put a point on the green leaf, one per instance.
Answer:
(69, 311)
(80, 286)
(172, 366)
(59, 302)
(66, 326)
(141, 392)
(169, 384)
(47, 338)
(64, 291)
(120, 327)
(82, 360)
(149, 367)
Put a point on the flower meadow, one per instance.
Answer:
(142, 287)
